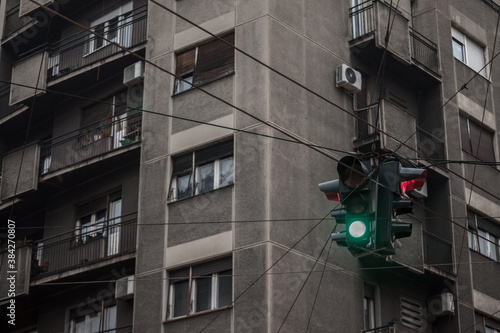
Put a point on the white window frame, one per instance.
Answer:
(193, 181)
(192, 295)
(119, 14)
(468, 46)
(95, 225)
(491, 241)
(103, 320)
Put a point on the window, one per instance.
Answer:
(200, 288)
(94, 321)
(115, 26)
(471, 133)
(467, 51)
(107, 120)
(95, 218)
(205, 63)
(202, 170)
(481, 238)
(369, 306)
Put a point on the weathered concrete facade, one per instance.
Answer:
(135, 188)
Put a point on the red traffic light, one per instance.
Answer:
(415, 183)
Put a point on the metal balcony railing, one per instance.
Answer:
(424, 51)
(85, 245)
(429, 146)
(438, 252)
(383, 329)
(92, 141)
(85, 48)
(13, 22)
(362, 19)
(5, 109)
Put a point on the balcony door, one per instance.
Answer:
(115, 211)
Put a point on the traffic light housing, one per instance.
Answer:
(393, 183)
(356, 193)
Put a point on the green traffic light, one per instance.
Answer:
(357, 229)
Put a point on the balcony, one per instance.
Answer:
(85, 246)
(79, 53)
(14, 24)
(414, 54)
(90, 142)
(396, 123)
(438, 253)
(84, 49)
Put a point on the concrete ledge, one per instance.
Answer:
(200, 249)
(195, 35)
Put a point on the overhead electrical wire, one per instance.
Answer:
(272, 125)
(267, 123)
(283, 131)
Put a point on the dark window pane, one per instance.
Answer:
(458, 50)
(226, 171)
(203, 293)
(180, 298)
(464, 135)
(184, 186)
(225, 286)
(206, 178)
(113, 29)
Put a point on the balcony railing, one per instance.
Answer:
(429, 146)
(86, 245)
(5, 109)
(424, 51)
(438, 252)
(85, 48)
(383, 329)
(362, 19)
(92, 141)
(13, 22)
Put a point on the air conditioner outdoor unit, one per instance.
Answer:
(125, 288)
(441, 305)
(348, 78)
(133, 74)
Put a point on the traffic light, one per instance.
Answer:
(393, 183)
(356, 193)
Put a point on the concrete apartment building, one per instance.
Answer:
(139, 203)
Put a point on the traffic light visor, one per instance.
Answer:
(352, 172)
(412, 184)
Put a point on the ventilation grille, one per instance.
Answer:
(411, 314)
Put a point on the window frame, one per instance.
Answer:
(220, 270)
(194, 171)
(119, 14)
(207, 50)
(87, 319)
(470, 146)
(467, 45)
(480, 239)
(97, 228)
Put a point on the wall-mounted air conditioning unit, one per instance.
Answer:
(125, 288)
(348, 78)
(133, 74)
(441, 305)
